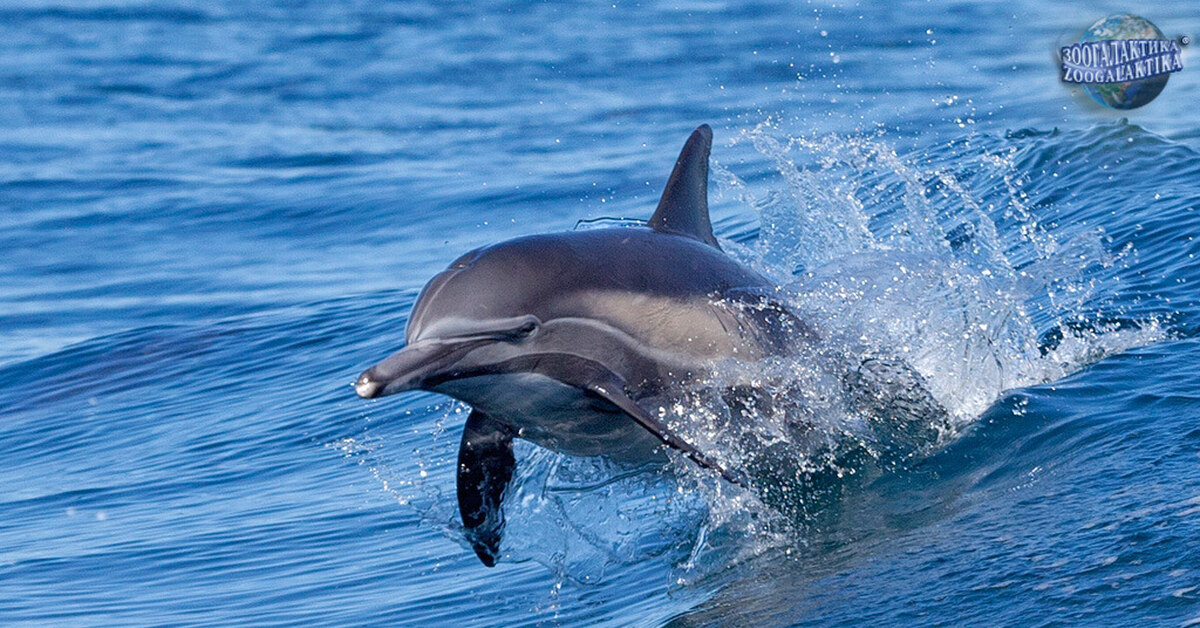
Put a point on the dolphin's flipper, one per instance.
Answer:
(598, 380)
(683, 208)
(485, 466)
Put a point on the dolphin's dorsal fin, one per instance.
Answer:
(683, 209)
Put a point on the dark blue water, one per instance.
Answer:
(213, 215)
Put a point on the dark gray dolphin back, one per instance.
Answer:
(539, 274)
(683, 208)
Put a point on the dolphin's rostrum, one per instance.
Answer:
(569, 339)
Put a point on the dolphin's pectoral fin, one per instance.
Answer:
(485, 466)
(614, 392)
(598, 380)
(683, 208)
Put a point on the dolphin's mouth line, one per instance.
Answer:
(413, 366)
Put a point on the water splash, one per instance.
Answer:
(934, 257)
(933, 261)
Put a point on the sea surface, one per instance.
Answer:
(214, 215)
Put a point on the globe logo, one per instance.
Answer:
(1122, 61)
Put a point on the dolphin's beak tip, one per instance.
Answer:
(366, 386)
(407, 369)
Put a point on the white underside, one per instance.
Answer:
(556, 416)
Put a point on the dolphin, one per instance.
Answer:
(572, 340)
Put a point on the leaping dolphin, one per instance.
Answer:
(569, 339)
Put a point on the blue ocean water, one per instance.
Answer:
(214, 215)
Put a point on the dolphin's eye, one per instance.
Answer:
(525, 329)
(528, 325)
